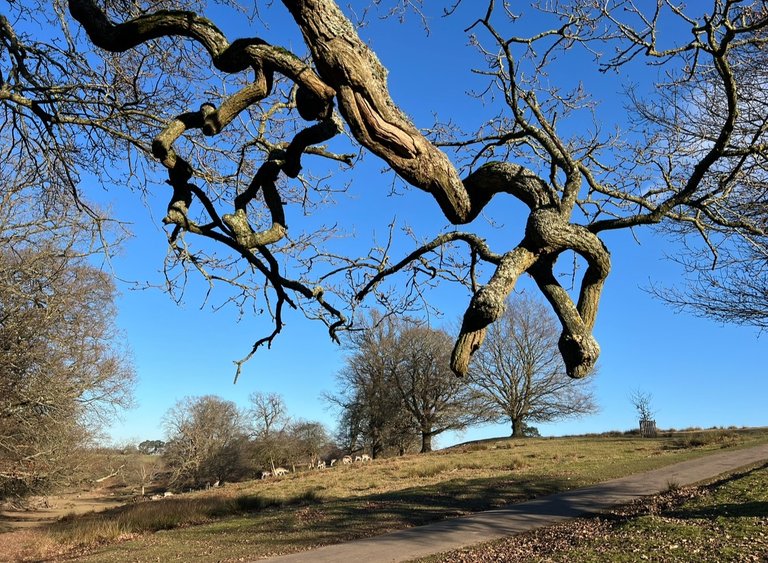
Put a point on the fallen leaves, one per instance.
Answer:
(684, 524)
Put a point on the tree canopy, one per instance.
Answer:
(396, 385)
(372, 415)
(235, 121)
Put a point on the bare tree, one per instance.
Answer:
(268, 421)
(419, 367)
(519, 373)
(307, 442)
(371, 412)
(67, 115)
(397, 384)
(642, 402)
(278, 440)
(687, 156)
(206, 441)
(267, 414)
(733, 290)
(65, 370)
(146, 471)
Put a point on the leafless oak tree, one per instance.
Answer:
(64, 369)
(692, 160)
(520, 374)
(372, 415)
(397, 385)
(205, 441)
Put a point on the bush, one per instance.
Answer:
(704, 438)
(471, 465)
(514, 464)
(531, 431)
(427, 470)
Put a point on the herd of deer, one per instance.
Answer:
(321, 464)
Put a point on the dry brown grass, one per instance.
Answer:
(30, 545)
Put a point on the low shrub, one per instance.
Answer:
(514, 464)
(703, 438)
(470, 465)
(611, 434)
(672, 486)
(424, 471)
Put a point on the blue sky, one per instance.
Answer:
(700, 373)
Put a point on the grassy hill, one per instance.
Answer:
(312, 508)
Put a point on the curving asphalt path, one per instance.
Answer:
(456, 533)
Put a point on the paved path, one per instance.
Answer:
(455, 533)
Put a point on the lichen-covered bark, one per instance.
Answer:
(487, 306)
(353, 70)
(349, 66)
(548, 230)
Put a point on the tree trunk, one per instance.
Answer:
(112, 474)
(376, 448)
(517, 428)
(426, 442)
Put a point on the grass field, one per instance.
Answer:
(305, 510)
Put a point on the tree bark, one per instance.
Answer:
(426, 441)
(517, 428)
(487, 306)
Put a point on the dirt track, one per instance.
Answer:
(44, 510)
